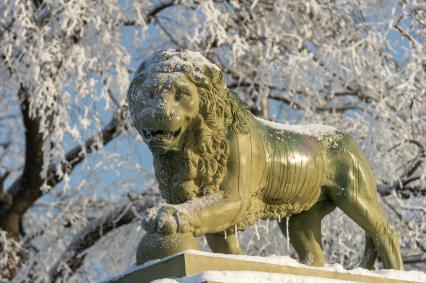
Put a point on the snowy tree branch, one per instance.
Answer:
(26, 189)
(316, 57)
(294, 104)
(407, 177)
(404, 33)
(151, 15)
(74, 254)
(114, 128)
(414, 257)
(5, 117)
(400, 186)
(169, 35)
(330, 109)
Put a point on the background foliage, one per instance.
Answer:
(75, 176)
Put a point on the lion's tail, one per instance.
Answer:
(370, 254)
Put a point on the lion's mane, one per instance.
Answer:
(221, 114)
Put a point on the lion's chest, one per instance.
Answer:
(169, 172)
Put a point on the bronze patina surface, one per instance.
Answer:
(220, 169)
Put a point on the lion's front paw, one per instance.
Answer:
(149, 220)
(165, 220)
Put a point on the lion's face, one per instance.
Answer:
(179, 102)
(164, 110)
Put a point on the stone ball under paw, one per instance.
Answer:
(157, 246)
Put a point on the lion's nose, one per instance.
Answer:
(162, 113)
(164, 108)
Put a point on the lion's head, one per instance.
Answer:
(184, 112)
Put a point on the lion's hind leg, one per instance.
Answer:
(363, 208)
(305, 232)
(371, 218)
(352, 187)
(218, 243)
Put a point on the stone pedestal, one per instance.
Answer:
(193, 262)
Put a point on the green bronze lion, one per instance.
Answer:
(221, 169)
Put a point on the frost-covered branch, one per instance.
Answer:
(10, 254)
(345, 64)
(414, 257)
(74, 253)
(295, 105)
(403, 32)
(401, 187)
(115, 127)
(150, 16)
(26, 189)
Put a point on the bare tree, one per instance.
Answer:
(65, 68)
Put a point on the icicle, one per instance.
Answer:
(267, 225)
(226, 236)
(279, 218)
(257, 231)
(236, 236)
(287, 232)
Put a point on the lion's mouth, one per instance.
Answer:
(161, 134)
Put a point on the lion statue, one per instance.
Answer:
(221, 169)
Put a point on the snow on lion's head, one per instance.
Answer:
(183, 110)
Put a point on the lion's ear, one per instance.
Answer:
(208, 72)
(213, 74)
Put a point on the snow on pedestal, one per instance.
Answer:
(198, 266)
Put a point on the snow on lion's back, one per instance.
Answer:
(314, 130)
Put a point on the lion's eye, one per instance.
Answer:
(182, 94)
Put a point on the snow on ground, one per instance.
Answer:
(251, 276)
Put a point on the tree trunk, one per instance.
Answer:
(26, 189)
